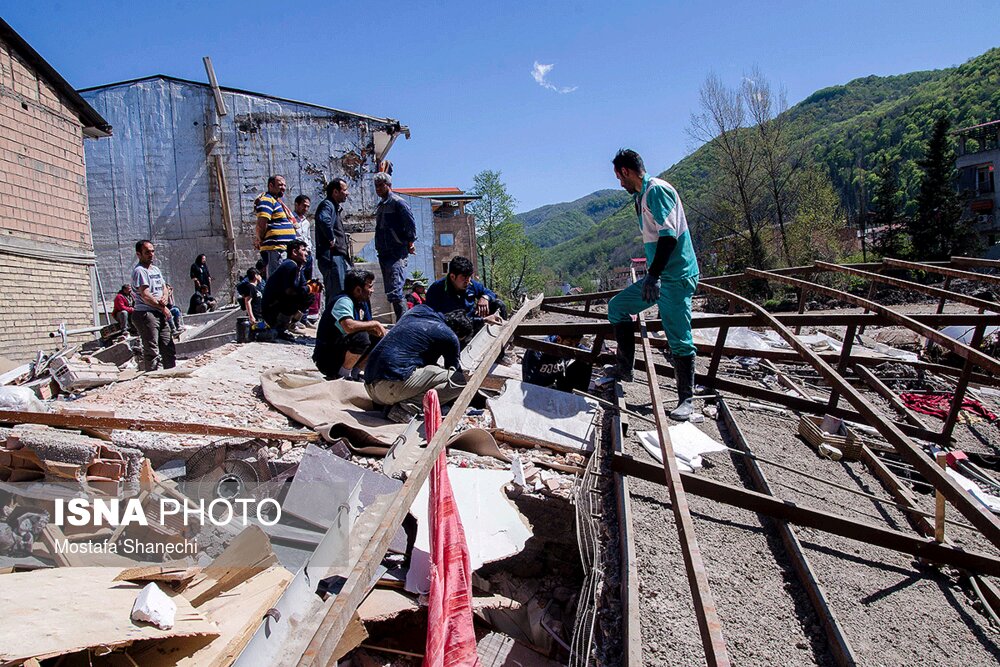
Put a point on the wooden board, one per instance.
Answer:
(247, 555)
(237, 612)
(65, 610)
(152, 425)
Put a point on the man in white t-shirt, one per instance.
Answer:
(151, 316)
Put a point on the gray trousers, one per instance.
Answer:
(333, 278)
(272, 260)
(448, 382)
(393, 277)
(157, 344)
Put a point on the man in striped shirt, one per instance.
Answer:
(275, 227)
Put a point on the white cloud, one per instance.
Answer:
(540, 71)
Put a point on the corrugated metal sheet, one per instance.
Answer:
(423, 260)
(153, 179)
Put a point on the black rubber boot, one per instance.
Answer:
(684, 375)
(625, 355)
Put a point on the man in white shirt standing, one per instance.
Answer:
(151, 316)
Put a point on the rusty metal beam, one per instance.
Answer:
(964, 351)
(835, 636)
(628, 556)
(808, 517)
(783, 356)
(722, 384)
(976, 262)
(942, 271)
(321, 648)
(576, 298)
(982, 304)
(751, 320)
(977, 515)
(709, 624)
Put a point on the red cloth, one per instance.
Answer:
(122, 302)
(451, 637)
(938, 405)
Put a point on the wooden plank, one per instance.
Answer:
(238, 613)
(912, 286)
(712, 639)
(629, 560)
(61, 420)
(220, 103)
(69, 609)
(950, 344)
(246, 556)
(327, 636)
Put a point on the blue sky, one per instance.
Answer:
(461, 74)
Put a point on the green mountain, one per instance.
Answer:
(554, 223)
(859, 123)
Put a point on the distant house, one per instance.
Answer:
(444, 230)
(454, 229)
(622, 275)
(47, 274)
(977, 160)
(162, 175)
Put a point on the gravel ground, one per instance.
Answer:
(884, 601)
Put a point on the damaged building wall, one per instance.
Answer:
(46, 254)
(156, 179)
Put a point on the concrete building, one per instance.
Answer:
(47, 276)
(187, 161)
(454, 230)
(977, 160)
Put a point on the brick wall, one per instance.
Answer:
(37, 296)
(463, 228)
(43, 200)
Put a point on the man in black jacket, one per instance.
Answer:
(332, 252)
(395, 233)
(286, 292)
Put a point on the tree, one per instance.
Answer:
(737, 186)
(508, 259)
(780, 161)
(889, 234)
(494, 208)
(936, 231)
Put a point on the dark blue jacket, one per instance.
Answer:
(285, 291)
(395, 229)
(329, 227)
(420, 338)
(442, 297)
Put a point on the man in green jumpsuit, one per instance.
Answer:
(671, 277)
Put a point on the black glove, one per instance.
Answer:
(651, 288)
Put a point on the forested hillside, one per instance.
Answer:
(848, 130)
(548, 225)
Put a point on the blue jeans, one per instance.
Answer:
(176, 313)
(393, 275)
(333, 277)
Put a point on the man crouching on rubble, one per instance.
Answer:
(671, 277)
(404, 365)
(287, 293)
(346, 331)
